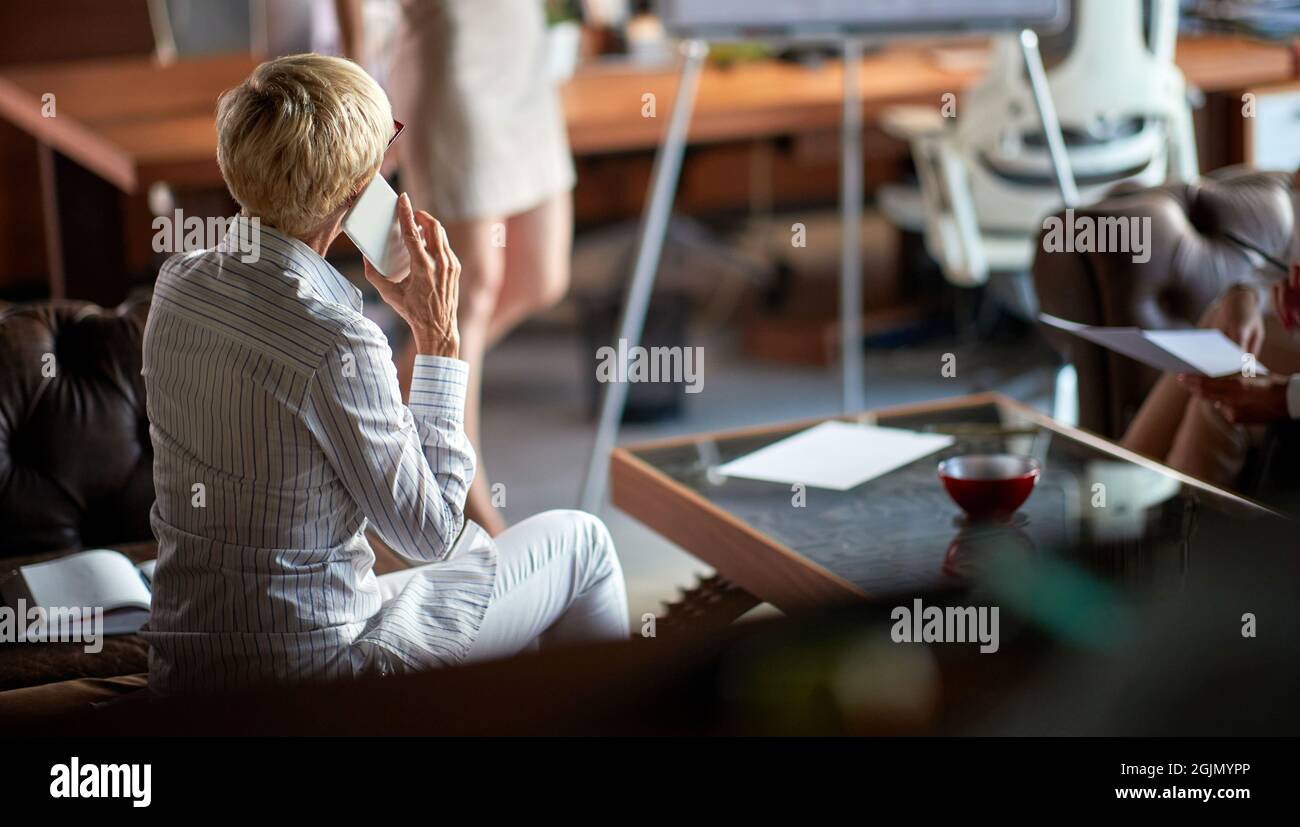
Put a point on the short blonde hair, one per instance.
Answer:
(296, 139)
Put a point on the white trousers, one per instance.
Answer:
(558, 583)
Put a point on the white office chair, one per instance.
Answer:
(985, 177)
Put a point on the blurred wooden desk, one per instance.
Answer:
(116, 126)
(122, 124)
(757, 100)
(128, 120)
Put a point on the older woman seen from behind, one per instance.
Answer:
(280, 433)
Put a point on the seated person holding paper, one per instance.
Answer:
(280, 433)
(1204, 427)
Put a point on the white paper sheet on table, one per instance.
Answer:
(835, 455)
(1202, 352)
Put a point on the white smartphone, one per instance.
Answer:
(372, 226)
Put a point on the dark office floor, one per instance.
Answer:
(537, 433)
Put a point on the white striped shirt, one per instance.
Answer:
(279, 434)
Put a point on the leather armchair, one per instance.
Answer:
(1192, 261)
(76, 463)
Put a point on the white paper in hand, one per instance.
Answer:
(835, 455)
(1207, 352)
(1201, 352)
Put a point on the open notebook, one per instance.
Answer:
(100, 578)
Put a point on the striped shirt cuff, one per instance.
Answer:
(438, 386)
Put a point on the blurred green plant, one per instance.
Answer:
(561, 11)
(730, 54)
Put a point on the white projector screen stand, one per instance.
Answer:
(659, 202)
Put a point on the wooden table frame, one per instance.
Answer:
(761, 565)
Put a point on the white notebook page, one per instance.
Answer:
(101, 578)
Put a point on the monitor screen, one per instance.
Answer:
(757, 19)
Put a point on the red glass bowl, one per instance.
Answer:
(989, 486)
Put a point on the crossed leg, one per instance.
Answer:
(559, 582)
(1189, 434)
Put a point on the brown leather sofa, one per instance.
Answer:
(1192, 262)
(76, 465)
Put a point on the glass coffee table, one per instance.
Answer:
(1098, 510)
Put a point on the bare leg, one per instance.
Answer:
(1208, 447)
(482, 270)
(539, 246)
(1157, 422)
(500, 287)
(1154, 430)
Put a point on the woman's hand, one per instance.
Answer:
(1286, 297)
(1243, 400)
(427, 298)
(1239, 318)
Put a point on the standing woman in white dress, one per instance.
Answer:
(486, 152)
